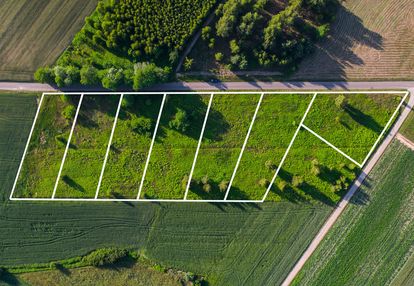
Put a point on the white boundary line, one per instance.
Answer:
(244, 146)
(198, 147)
(156, 128)
(26, 147)
(241, 92)
(385, 128)
(67, 146)
(288, 149)
(133, 200)
(152, 145)
(109, 146)
(331, 145)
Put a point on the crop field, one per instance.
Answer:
(34, 33)
(373, 238)
(263, 240)
(195, 146)
(367, 41)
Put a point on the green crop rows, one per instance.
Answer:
(372, 239)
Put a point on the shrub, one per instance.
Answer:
(60, 140)
(141, 125)
(270, 165)
(180, 121)
(264, 183)
(234, 47)
(340, 101)
(218, 57)
(148, 74)
(184, 182)
(316, 169)
(113, 78)
(69, 112)
(105, 256)
(322, 30)
(89, 75)
(207, 188)
(188, 63)
(44, 75)
(223, 186)
(128, 101)
(212, 43)
(282, 185)
(205, 180)
(297, 181)
(206, 33)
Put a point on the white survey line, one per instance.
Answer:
(239, 92)
(198, 147)
(67, 146)
(244, 146)
(385, 128)
(288, 149)
(152, 145)
(332, 146)
(109, 146)
(27, 146)
(133, 200)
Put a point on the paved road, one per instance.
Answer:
(344, 202)
(182, 86)
(407, 142)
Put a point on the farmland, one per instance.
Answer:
(36, 232)
(367, 41)
(34, 33)
(374, 236)
(167, 167)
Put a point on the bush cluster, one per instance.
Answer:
(105, 256)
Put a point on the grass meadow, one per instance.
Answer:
(373, 238)
(312, 171)
(34, 33)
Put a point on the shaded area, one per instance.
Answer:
(363, 119)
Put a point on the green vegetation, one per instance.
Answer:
(175, 146)
(35, 32)
(408, 127)
(226, 129)
(83, 164)
(373, 237)
(47, 145)
(264, 34)
(130, 146)
(352, 122)
(123, 43)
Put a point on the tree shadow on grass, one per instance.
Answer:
(92, 104)
(360, 198)
(71, 183)
(62, 269)
(335, 54)
(316, 194)
(7, 278)
(363, 119)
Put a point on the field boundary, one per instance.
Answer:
(184, 199)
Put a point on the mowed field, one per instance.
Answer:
(313, 170)
(34, 33)
(202, 238)
(369, 40)
(374, 237)
(408, 127)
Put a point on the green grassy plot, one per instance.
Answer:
(87, 149)
(175, 146)
(313, 171)
(46, 148)
(229, 120)
(373, 239)
(273, 129)
(352, 122)
(130, 146)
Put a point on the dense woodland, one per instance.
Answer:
(128, 42)
(136, 43)
(267, 33)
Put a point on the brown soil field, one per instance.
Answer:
(369, 40)
(34, 33)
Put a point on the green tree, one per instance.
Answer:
(218, 56)
(206, 33)
(113, 78)
(180, 121)
(89, 75)
(44, 75)
(141, 125)
(147, 75)
(188, 63)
